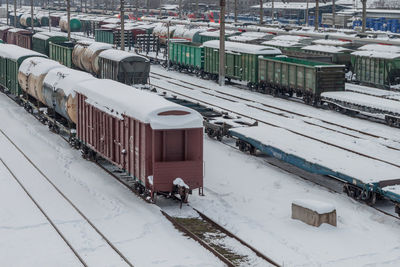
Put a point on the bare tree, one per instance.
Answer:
(236, 10)
(316, 17)
(261, 12)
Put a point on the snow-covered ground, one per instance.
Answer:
(136, 228)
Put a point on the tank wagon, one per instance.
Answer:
(11, 58)
(26, 21)
(124, 67)
(75, 24)
(114, 64)
(307, 79)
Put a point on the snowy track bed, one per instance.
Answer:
(252, 199)
(322, 118)
(363, 147)
(72, 225)
(137, 229)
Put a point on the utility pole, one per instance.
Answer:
(221, 78)
(48, 5)
(261, 12)
(122, 7)
(8, 20)
(32, 19)
(316, 17)
(236, 10)
(364, 15)
(306, 18)
(137, 10)
(333, 14)
(69, 19)
(15, 13)
(272, 10)
(180, 9)
(197, 9)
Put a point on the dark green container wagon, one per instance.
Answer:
(62, 53)
(104, 36)
(376, 68)
(241, 60)
(283, 75)
(186, 56)
(41, 41)
(11, 58)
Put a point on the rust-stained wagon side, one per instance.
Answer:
(154, 140)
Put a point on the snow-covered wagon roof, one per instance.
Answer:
(244, 48)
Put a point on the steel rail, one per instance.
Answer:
(68, 200)
(44, 214)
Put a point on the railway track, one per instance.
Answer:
(212, 105)
(273, 109)
(68, 200)
(208, 233)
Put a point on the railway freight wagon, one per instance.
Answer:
(75, 24)
(157, 142)
(62, 53)
(241, 60)
(26, 21)
(3, 33)
(124, 67)
(379, 69)
(186, 56)
(280, 75)
(20, 37)
(11, 58)
(41, 41)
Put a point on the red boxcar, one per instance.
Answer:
(3, 32)
(154, 140)
(20, 37)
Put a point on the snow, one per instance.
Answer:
(376, 54)
(351, 164)
(250, 36)
(65, 79)
(252, 199)
(244, 48)
(96, 46)
(216, 33)
(119, 55)
(283, 43)
(293, 38)
(331, 42)
(380, 48)
(136, 228)
(15, 52)
(118, 99)
(364, 100)
(395, 189)
(326, 48)
(373, 91)
(179, 182)
(22, 225)
(46, 35)
(29, 63)
(315, 205)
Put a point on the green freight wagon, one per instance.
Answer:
(41, 41)
(11, 57)
(241, 60)
(283, 75)
(104, 36)
(186, 56)
(379, 69)
(329, 54)
(214, 35)
(62, 53)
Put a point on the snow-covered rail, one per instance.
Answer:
(34, 182)
(277, 109)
